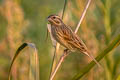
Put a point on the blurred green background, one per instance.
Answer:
(25, 21)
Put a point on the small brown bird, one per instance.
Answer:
(66, 37)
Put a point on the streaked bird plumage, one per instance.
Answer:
(66, 37)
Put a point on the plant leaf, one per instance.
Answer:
(53, 40)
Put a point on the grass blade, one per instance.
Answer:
(16, 54)
(34, 64)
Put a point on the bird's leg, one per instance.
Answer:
(66, 52)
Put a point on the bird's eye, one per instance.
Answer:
(54, 17)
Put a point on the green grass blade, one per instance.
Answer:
(34, 64)
(16, 54)
(110, 47)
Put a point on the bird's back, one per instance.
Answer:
(66, 37)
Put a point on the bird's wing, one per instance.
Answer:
(73, 40)
(78, 43)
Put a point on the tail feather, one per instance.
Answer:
(91, 56)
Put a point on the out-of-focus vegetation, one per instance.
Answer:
(25, 21)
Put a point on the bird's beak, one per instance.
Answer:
(49, 19)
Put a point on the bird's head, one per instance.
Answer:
(55, 20)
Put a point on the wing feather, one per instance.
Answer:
(71, 40)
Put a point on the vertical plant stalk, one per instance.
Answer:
(64, 54)
(53, 60)
(34, 63)
(59, 63)
(65, 3)
(83, 15)
(107, 19)
(107, 25)
(56, 44)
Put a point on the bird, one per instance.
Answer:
(65, 36)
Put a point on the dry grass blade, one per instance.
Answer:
(65, 3)
(52, 39)
(59, 63)
(54, 44)
(83, 15)
(34, 62)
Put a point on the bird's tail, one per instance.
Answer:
(91, 56)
